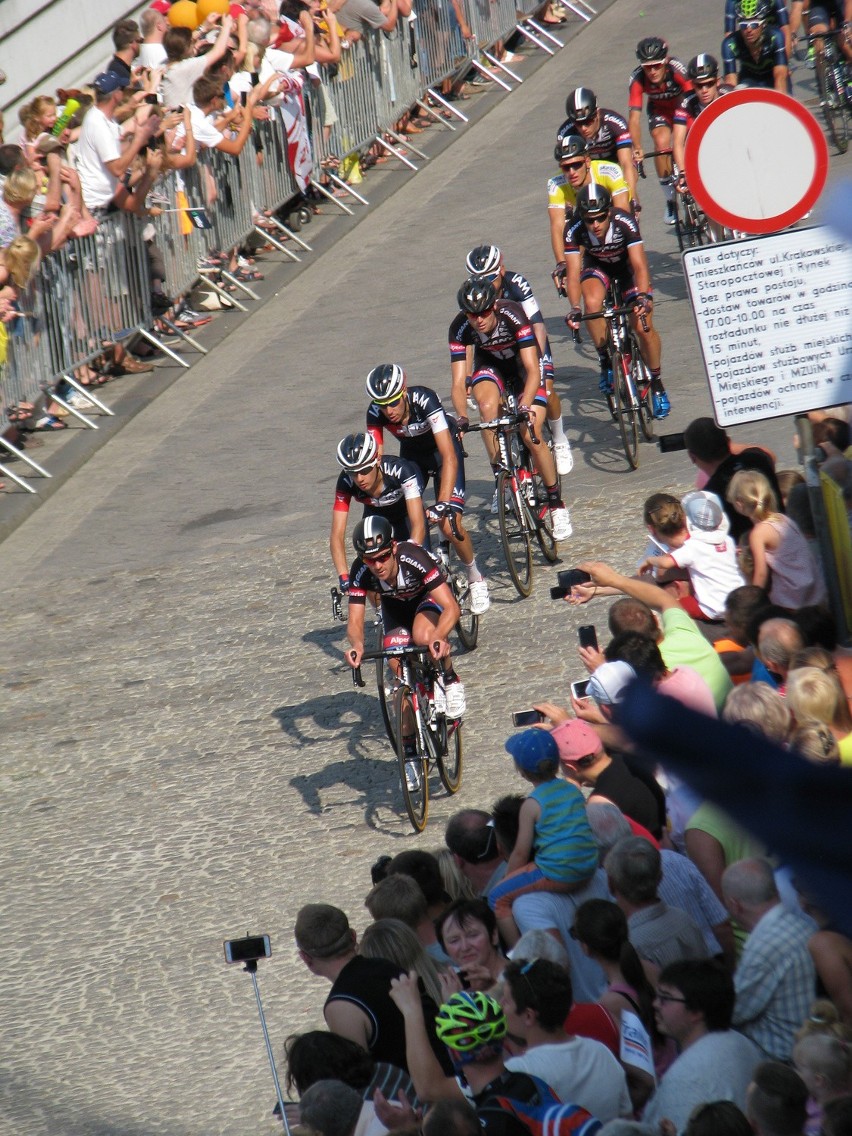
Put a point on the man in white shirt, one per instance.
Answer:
(153, 25)
(537, 997)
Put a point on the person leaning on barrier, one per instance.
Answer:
(208, 102)
(358, 16)
(182, 68)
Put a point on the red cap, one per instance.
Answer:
(162, 6)
(235, 11)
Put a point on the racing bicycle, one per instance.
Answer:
(630, 400)
(523, 512)
(437, 739)
(832, 77)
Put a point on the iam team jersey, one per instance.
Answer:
(418, 574)
(401, 483)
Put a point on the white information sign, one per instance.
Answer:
(774, 318)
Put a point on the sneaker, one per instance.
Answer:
(412, 775)
(495, 504)
(606, 385)
(480, 601)
(561, 521)
(527, 486)
(456, 704)
(563, 457)
(660, 404)
(669, 216)
(79, 401)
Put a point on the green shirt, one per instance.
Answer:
(683, 645)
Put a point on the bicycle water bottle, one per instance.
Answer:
(68, 112)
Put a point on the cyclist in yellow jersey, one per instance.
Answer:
(577, 171)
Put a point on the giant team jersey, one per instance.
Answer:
(621, 234)
(611, 135)
(418, 574)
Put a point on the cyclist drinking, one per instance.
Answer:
(603, 244)
(605, 133)
(755, 55)
(386, 486)
(428, 439)
(505, 358)
(664, 81)
(417, 605)
(572, 154)
(486, 261)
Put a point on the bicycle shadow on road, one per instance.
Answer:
(363, 787)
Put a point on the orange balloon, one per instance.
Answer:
(206, 7)
(184, 14)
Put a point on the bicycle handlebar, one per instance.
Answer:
(505, 422)
(411, 650)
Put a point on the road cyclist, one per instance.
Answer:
(429, 439)
(778, 15)
(605, 133)
(664, 81)
(417, 606)
(487, 261)
(755, 54)
(603, 244)
(703, 72)
(506, 357)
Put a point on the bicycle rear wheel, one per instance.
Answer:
(467, 627)
(835, 108)
(386, 682)
(450, 759)
(415, 795)
(625, 411)
(514, 535)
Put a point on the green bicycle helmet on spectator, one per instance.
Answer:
(484, 260)
(581, 104)
(476, 295)
(652, 49)
(470, 1020)
(386, 383)
(357, 452)
(703, 66)
(571, 146)
(373, 534)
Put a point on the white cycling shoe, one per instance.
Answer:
(561, 521)
(480, 601)
(563, 457)
(412, 775)
(456, 704)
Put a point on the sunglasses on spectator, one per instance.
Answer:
(751, 25)
(573, 165)
(378, 558)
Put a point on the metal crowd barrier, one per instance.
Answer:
(97, 289)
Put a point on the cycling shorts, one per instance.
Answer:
(623, 275)
(507, 376)
(823, 14)
(398, 618)
(655, 121)
(430, 464)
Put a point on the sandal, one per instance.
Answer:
(50, 422)
(21, 412)
(247, 275)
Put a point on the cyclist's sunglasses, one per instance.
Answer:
(378, 557)
(489, 276)
(701, 84)
(751, 25)
(656, 63)
(593, 218)
(364, 469)
(389, 401)
(574, 165)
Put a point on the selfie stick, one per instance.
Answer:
(251, 968)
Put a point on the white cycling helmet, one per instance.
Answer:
(386, 383)
(484, 260)
(357, 451)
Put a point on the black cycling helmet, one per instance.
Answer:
(476, 295)
(386, 383)
(703, 66)
(357, 451)
(570, 146)
(581, 104)
(652, 49)
(484, 260)
(372, 535)
(593, 201)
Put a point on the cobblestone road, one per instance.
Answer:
(185, 759)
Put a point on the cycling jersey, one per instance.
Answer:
(689, 108)
(496, 353)
(611, 135)
(418, 574)
(621, 234)
(664, 96)
(402, 482)
(778, 16)
(518, 289)
(426, 418)
(562, 195)
(758, 72)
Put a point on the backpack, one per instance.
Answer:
(542, 1113)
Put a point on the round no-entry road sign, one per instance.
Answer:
(756, 160)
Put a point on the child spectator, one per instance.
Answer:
(700, 543)
(782, 559)
(816, 696)
(555, 849)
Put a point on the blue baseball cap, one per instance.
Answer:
(530, 747)
(109, 81)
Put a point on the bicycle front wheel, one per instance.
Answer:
(450, 760)
(835, 109)
(413, 768)
(467, 627)
(514, 534)
(626, 413)
(386, 682)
